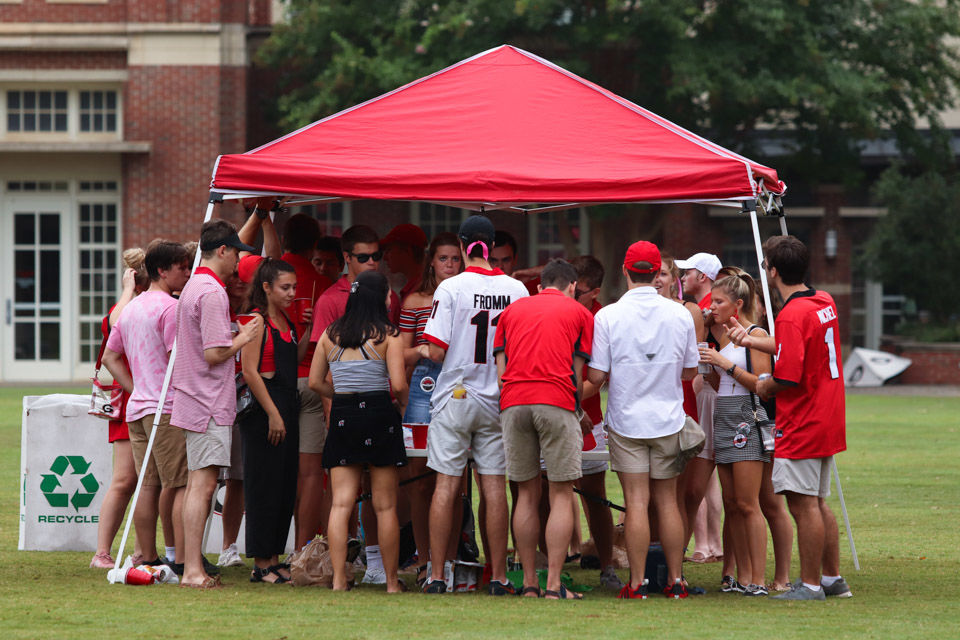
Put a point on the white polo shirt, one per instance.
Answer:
(644, 341)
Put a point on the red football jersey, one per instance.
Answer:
(811, 411)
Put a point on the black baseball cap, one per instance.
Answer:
(476, 226)
(230, 241)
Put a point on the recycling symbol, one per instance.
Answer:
(54, 491)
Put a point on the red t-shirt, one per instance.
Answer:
(706, 301)
(592, 405)
(310, 284)
(811, 410)
(540, 336)
(333, 303)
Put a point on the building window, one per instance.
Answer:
(435, 218)
(559, 234)
(98, 111)
(36, 186)
(37, 111)
(98, 273)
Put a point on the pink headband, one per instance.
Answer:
(486, 251)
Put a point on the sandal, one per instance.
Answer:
(700, 557)
(421, 575)
(535, 590)
(259, 574)
(209, 583)
(562, 594)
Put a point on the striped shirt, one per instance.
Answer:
(414, 320)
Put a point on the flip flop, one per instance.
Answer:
(209, 583)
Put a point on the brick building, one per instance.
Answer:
(112, 113)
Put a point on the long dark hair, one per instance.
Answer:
(366, 315)
(428, 282)
(268, 271)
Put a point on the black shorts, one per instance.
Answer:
(365, 428)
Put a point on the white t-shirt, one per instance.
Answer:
(644, 342)
(463, 321)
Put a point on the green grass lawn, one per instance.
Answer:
(901, 480)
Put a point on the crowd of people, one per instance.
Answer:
(307, 373)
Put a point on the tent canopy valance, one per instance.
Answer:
(503, 129)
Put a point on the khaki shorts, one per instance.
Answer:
(169, 456)
(210, 448)
(139, 435)
(655, 456)
(530, 430)
(810, 476)
(462, 429)
(313, 424)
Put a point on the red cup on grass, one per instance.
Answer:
(419, 435)
(136, 576)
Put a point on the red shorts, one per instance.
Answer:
(118, 428)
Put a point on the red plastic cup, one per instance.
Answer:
(299, 306)
(136, 576)
(419, 435)
(589, 442)
(244, 318)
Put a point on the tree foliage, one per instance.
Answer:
(817, 76)
(915, 246)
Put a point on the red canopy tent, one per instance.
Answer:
(502, 128)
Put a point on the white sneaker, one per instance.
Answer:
(230, 557)
(374, 576)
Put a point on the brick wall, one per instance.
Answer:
(933, 363)
(44, 11)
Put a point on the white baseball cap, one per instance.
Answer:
(706, 263)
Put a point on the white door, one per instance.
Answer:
(37, 247)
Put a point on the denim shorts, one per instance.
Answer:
(422, 382)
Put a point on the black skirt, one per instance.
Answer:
(365, 428)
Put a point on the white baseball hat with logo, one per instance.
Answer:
(706, 263)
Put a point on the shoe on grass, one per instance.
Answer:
(102, 561)
(434, 586)
(374, 576)
(799, 591)
(210, 568)
(729, 584)
(610, 580)
(755, 590)
(676, 591)
(230, 557)
(839, 589)
(640, 593)
(497, 588)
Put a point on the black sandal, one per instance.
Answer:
(562, 594)
(535, 590)
(259, 574)
(421, 575)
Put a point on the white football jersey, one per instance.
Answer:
(463, 321)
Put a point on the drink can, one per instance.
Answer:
(703, 367)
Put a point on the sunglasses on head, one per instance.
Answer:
(363, 257)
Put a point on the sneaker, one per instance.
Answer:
(434, 586)
(677, 591)
(448, 575)
(211, 569)
(102, 561)
(610, 580)
(353, 549)
(798, 591)
(839, 589)
(640, 593)
(374, 576)
(755, 590)
(729, 584)
(497, 588)
(230, 557)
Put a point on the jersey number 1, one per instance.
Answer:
(831, 353)
(482, 322)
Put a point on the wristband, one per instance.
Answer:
(731, 370)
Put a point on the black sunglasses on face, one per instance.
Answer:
(577, 293)
(363, 257)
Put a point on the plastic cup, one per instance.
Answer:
(703, 367)
(299, 306)
(136, 576)
(419, 435)
(244, 318)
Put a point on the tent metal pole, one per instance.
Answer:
(111, 576)
(763, 273)
(783, 224)
(846, 517)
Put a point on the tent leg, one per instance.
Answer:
(783, 225)
(763, 272)
(156, 423)
(846, 516)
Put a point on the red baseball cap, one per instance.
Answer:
(642, 251)
(409, 234)
(248, 266)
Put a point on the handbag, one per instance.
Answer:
(106, 400)
(692, 440)
(765, 426)
(246, 401)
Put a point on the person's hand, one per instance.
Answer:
(586, 424)
(129, 279)
(765, 388)
(709, 355)
(737, 334)
(249, 331)
(525, 275)
(306, 316)
(276, 432)
(424, 351)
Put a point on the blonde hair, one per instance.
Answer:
(739, 287)
(134, 258)
(667, 260)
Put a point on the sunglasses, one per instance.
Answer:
(363, 257)
(577, 293)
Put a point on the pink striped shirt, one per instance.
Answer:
(203, 391)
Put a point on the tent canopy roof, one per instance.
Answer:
(502, 128)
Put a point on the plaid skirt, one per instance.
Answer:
(735, 436)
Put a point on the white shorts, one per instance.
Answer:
(462, 429)
(210, 448)
(809, 476)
